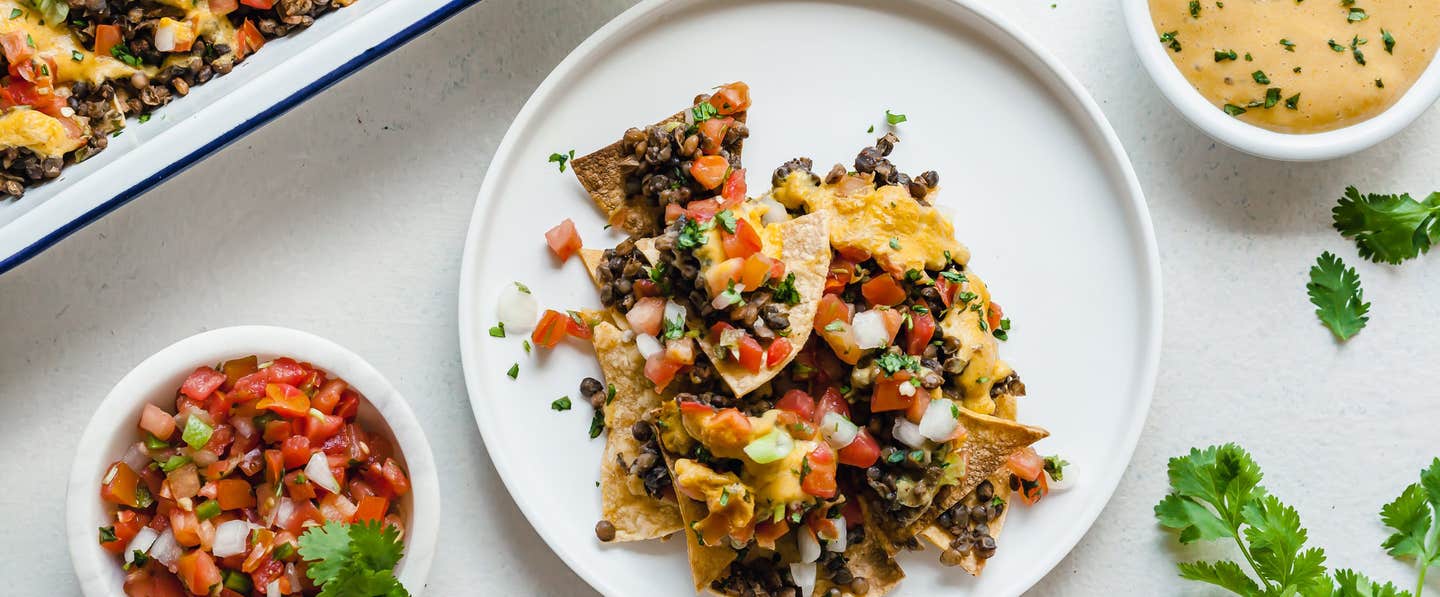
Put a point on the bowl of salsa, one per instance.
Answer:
(231, 463)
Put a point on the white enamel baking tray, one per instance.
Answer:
(280, 76)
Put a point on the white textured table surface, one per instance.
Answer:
(346, 218)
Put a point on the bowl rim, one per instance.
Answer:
(94, 567)
(1261, 142)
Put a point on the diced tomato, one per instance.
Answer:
(947, 290)
(399, 485)
(371, 508)
(709, 170)
(223, 7)
(247, 40)
(887, 396)
(551, 329)
(734, 192)
(1026, 464)
(798, 402)
(19, 92)
(295, 451)
(673, 211)
(277, 431)
(862, 452)
(883, 289)
(893, 320)
(220, 438)
(831, 401)
(285, 400)
(237, 369)
(202, 383)
(820, 481)
(119, 486)
(16, 46)
(274, 466)
(838, 276)
(320, 426)
(234, 494)
(106, 38)
(647, 316)
(644, 287)
(186, 527)
(260, 4)
(993, 315)
(660, 370)
(919, 403)
(305, 511)
(712, 134)
(298, 486)
(752, 356)
(731, 98)
(198, 572)
(40, 70)
(349, 405)
(777, 352)
(127, 524)
(743, 243)
(922, 329)
(703, 210)
(1032, 491)
(328, 396)
(680, 350)
(831, 308)
(157, 422)
(729, 428)
(267, 569)
(564, 241)
(756, 270)
(281, 371)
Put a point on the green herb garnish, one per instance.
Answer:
(1335, 291)
(353, 560)
(561, 159)
(561, 404)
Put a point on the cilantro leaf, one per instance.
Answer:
(562, 158)
(1414, 515)
(353, 560)
(1349, 583)
(1388, 228)
(1224, 574)
(1335, 291)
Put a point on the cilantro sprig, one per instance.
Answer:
(353, 560)
(1216, 493)
(1335, 291)
(1415, 517)
(1388, 228)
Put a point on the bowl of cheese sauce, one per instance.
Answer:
(1292, 79)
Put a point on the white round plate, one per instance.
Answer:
(1046, 199)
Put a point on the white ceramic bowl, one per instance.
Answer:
(113, 428)
(1252, 139)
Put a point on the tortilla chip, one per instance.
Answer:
(707, 562)
(971, 562)
(989, 442)
(868, 559)
(636, 515)
(592, 258)
(806, 252)
(603, 173)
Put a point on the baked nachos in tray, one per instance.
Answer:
(803, 383)
(74, 70)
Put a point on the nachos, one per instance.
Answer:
(802, 383)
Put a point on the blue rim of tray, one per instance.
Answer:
(237, 132)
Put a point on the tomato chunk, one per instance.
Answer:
(647, 316)
(712, 134)
(734, 192)
(778, 350)
(820, 480)
(887, 396)
(751, 356)
(744, 242)
(1026, 464)
(709, 170)
(564, 241)
(659, 369)
(157, 422)
(285, 400)
(234, 494)
(993, 315)
(731, 98)
(202, 383)
(862, 452)
(551, 329)
(922, 329)
(883, 289)
(798, 402)
(198, 572)
(121, 486)
(371, 508)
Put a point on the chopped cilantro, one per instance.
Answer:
(894, 119)
(1171, 38)
(894, 363)
(498, 331)
(1260, 77)
(704, 111)
(514, 371)
(597, 423)
(107, 535)
(561, 404)
(561, 158)
(1195, 8)
(1356, 15)
(1293, 102)
(1234, 110)
(785, 291)
(526, 345)
(1221, 56)
(1289, 45)
(1272, 97)
(692, 234)
(727, 220)
(1389, 40)
(1335, 46)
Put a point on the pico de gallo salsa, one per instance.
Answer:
(214, 495)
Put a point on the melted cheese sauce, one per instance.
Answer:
(57, 44)
(38, 132)
(1334, 89)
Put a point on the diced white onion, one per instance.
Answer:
(939, 421)
(842, 535)
(141, 543)
(244, 426)
(137, 457)
(906, 389)
(809, 545)
(292, 575)
(230, 538)
(1066, 482)
(204, 458)
(674, 312)
(730, 340)
(723, 300)
(804, 575)
(648, 345)
(775, 214)
(318, 471)
(165, 550)
(165, 39)
(517, 309)
(908, 433)
(273, 589)
(282, 513)
(839, 432)
(870, 329)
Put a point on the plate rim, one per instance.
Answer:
(1027, 49)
